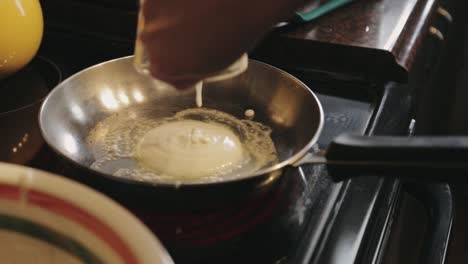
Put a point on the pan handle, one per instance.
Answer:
(441, 158)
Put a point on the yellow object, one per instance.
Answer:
(21, 29)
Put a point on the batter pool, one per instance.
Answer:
(195, 145)
(190, 148)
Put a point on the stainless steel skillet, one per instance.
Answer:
(280, 100)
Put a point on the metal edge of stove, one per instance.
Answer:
(396, 96)
(359, 95)
(357, 232)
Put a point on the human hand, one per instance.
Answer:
(187, 41)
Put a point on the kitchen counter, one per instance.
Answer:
(367, 39)
(376, 39)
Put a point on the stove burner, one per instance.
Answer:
(22, 95)
(29, 86)
(205, 228)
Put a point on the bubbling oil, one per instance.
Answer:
(115, 142)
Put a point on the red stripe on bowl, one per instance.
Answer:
(9, 192)
(87, 220)
(76, 214)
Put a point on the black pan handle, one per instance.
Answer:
(441, 158)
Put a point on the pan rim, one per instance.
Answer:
(278, 166)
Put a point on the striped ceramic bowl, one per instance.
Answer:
(48, 219)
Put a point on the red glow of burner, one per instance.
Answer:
(193, 229)
(211, 227)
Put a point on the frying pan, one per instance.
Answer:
(280, 101)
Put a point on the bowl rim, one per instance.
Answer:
(142, 243)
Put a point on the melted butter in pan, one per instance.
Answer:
(195, 145)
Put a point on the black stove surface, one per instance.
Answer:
(309, 217)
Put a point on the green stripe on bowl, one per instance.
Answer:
(49, 236)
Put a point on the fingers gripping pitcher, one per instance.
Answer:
(143, 64)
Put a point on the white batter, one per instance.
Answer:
(249, 113)
(190, 149)
(198, 94)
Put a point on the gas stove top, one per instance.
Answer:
(308, 217)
